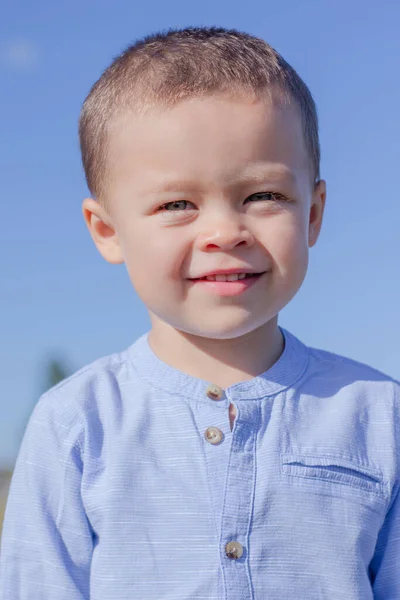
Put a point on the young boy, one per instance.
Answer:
(217, 458)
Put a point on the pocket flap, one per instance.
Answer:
(333, 469)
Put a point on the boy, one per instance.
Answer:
(217, 457)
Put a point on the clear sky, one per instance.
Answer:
(59, 297)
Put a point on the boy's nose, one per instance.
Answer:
(224, 236)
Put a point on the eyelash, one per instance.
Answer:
(279, 197)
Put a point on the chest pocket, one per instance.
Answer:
(334, 471)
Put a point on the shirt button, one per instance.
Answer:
(234, 550)
(213, 435)
(214, 392)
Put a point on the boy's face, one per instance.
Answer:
(212, 184)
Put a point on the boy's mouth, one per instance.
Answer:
(227, 284)
(227, 277)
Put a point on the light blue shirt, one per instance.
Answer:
(130, 484)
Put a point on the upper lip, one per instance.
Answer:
(228, 272)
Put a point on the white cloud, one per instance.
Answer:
(19, 54)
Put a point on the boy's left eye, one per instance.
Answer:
(268, 196)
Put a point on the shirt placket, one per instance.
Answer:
(238, 503)
(231, 470)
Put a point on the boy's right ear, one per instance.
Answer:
(102, 230)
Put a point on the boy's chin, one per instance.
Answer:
(214, 325)
(228, 331)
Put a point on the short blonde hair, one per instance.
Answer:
(164, 68)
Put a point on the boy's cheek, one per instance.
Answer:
(290, 265)
(288, 245)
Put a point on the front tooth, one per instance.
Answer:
(230, 277)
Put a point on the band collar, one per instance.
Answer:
(282, 375)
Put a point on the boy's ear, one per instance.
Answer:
(101, 229)
(316, 212)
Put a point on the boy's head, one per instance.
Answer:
(201, 149)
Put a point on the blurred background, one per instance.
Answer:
(62, 306)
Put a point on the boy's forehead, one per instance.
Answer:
(205, 114)
(233, 138)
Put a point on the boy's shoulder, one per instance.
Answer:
(94, 385)
(344, 371)
(104, 366)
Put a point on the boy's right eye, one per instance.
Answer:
(173, 206)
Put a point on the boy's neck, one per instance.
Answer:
(222, 362)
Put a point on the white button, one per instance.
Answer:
(234, 550)
(214, 392)
(213, 435)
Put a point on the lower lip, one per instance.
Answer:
(227, 288)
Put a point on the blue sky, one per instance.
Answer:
(59, 297)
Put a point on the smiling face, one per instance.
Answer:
(212, 184)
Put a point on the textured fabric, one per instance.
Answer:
(118, 495)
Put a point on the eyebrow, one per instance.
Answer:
(248, 177)
(263, 174)
(179, 185)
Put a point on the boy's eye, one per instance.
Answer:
(177, 205)
(268, 196)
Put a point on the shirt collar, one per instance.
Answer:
(282, 375)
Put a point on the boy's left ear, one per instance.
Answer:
(102, 230)
(316, 212)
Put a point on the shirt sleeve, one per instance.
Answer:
(385, 565)
(47, 541)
